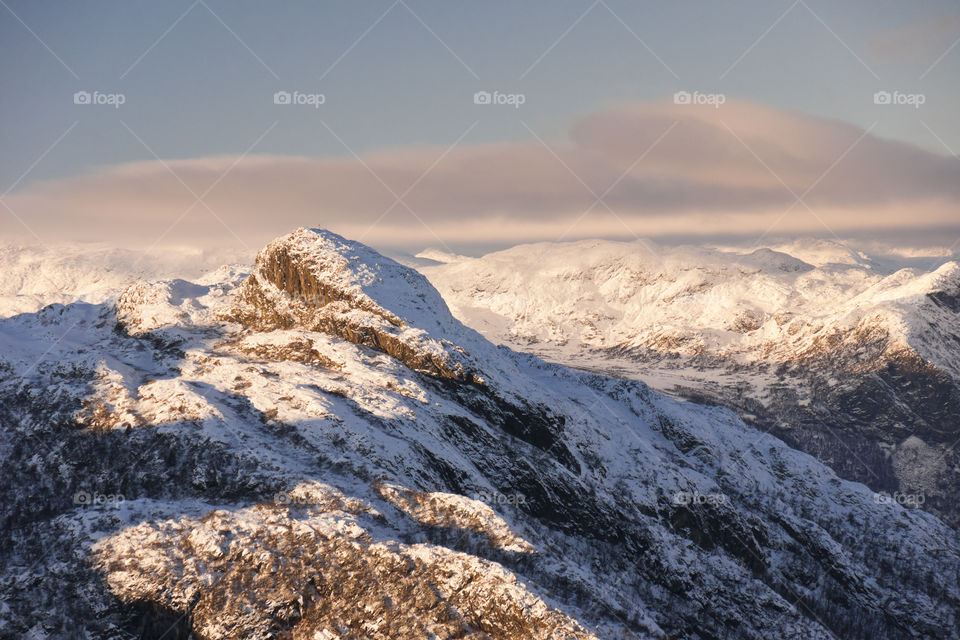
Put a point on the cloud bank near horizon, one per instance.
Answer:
(647, 169)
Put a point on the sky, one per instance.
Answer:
(468, 125)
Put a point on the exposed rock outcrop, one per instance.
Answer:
(318, 281)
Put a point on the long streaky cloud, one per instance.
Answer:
(657, 168)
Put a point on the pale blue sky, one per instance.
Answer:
(199, 78)
(200, 92)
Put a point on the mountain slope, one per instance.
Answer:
(319, 449)
(35, 276)
(845, 359)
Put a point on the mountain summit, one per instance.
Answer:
(316, 280)
(318, 449)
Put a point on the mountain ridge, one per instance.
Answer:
(844, 361)
(168, 468)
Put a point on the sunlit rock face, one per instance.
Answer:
(318, 281)
(310, 566)
(220, 459)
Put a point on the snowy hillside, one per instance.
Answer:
(320, 450)
(37, 275)
(839, 353)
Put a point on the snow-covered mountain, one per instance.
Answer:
(843, 355)
(319, 449)
(35, 275)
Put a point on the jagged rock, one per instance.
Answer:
(316, 280)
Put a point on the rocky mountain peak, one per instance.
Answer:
(316, 280)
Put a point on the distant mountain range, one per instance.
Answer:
(35, 275)
(853, 359)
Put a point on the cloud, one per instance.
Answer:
(920, 41)
(662, 169)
